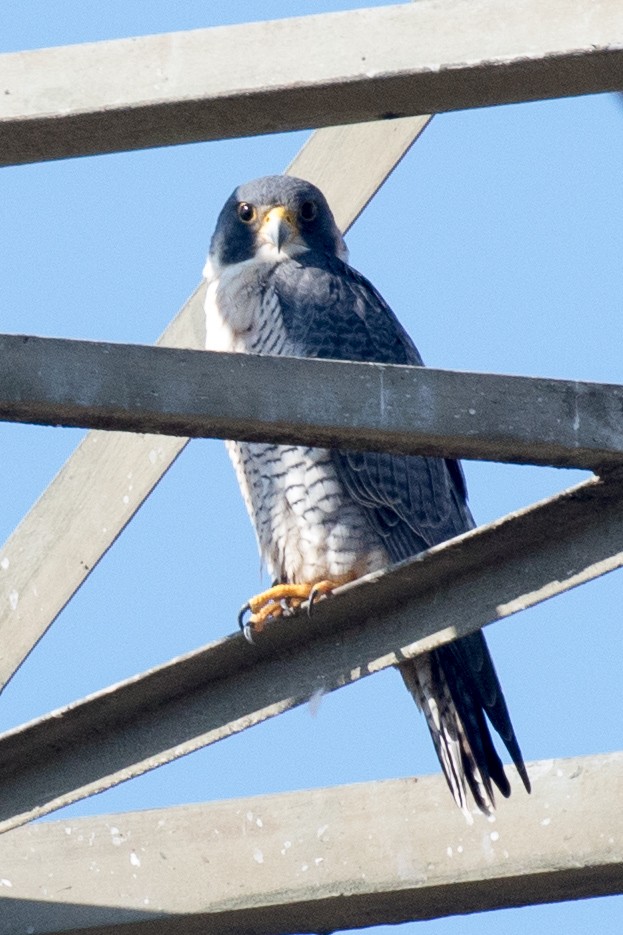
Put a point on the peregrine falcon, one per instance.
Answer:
(278, 282)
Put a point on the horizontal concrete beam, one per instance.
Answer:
(206, 696)
(313, 71)
(137, 388)
(319, 860)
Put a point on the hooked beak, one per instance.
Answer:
(278, 227)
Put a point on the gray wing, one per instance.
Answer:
(331, 311)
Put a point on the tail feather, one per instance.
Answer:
(457, 759)
(469, 661)
(455, 686)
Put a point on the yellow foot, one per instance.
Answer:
(281, 600)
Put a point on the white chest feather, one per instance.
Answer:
(242, 312)
(232, 309)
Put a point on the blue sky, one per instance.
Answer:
(498, 243)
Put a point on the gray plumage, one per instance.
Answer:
(279, 283)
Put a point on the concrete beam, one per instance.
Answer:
(319, 860)
(364, 406)
(312, 71)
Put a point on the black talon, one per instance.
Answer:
(241, 613)
(247, 629)
(311, 600)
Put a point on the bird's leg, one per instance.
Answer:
(282, 599)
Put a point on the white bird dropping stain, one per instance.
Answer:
(116, 837)
(258, 856)
(13, 599)
(135, 860)
(4, 564)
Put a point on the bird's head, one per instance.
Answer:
(273, 218)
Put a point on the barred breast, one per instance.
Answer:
(308, 528)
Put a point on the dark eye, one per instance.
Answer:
(246, 212)
(308, 210)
